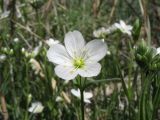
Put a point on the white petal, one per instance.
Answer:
(36, 107)
(96, 50)
(88, 95)
(129, 27)
(58, 55)
(65, 72)
(117, 25)
(51, 42)
(90, 70)
(74, 43)
(158, 50)
(123, 24)
(87, 101)
(76, 92)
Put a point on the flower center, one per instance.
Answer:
(78, 63)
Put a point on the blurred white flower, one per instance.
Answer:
(16, 40)
(3, 57)
(51, 42)
(23, 50)
(59, 99)
(5, 14)
(100, 32)
(4, 49)
(11, 52)
(123, 27)
(77, 57)
(37, 49)
(158, 50)
(87, 95)
(36, 107)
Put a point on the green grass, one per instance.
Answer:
(136, 86)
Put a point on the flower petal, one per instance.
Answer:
(123, 24)
(65, 72)
(95, 50)
(117, 25)
(74, 43)
(90, 70)
(76, 92)
(158, 50)
(88, 95)
(87, 101)
(58, 55)
(36, 107)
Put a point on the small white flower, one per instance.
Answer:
(59, 99)
(37, 49)
(51, 42)
(87, 95)
(36, 107)
(100, 32)
(23, 50)
(16, 40)
(5, 14)
(3, 57)
(123, 27)
(158, 50)
(77, 57)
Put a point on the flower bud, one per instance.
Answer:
(3, 57)
(144, 55)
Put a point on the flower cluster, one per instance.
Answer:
(121, 26)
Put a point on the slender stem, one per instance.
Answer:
(82, 105)
(4, 107)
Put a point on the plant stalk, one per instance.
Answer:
(82, 105)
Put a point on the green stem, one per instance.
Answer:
(82, 105)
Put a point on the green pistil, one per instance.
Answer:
(78, 63)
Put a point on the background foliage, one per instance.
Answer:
(123, 91)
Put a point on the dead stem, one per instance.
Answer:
(4, 107)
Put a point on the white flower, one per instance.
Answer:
(51, 42)
(36, 107)
(77, 58)
(102, 32)
(59, 99)
(87, 95)
(3, 57)
(16, 40)
(123, 27)
(37, 49)
(99, 33)
(5, 14)
(158, 50)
